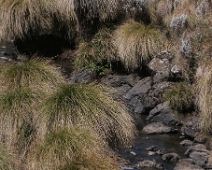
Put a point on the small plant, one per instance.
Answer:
(180, 97)
(137, 43)
(72, 148)
(89, 106)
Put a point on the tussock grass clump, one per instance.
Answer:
(74, 148)
(136, 43)
(25, 18)
(98, 50)
(33, 73)
(203, 93)
(180, 97)
(89, 106)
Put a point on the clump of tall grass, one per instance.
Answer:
(203, 93)
(74, 148)
(180, 97)
(89, 106)
(137, 43)
(26, 18)
(33, 73)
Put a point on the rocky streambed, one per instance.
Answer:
(165, 140)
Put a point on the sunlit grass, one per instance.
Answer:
(74, 148)
(89, 106)
(137, 43)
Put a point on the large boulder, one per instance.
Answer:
(157, 128)
(163, 113)
(160, 66)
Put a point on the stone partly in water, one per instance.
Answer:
(157, 128)
(149, 164)
(186, 143)
(171, 157)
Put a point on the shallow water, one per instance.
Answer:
(168, 142)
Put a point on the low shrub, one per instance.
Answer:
(180, 97)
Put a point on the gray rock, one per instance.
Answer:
(136, 105)
(197, 148)
(186, 143)
(83, 76)
(170, 157)
(152, 148)
(157, 128)
(140, 89)
(151, 153)
(186, 164)
(119, 80)
(179, 23)
(163, 113)
(160, 152)
(199, 158)
(149, 164)
(188, 132)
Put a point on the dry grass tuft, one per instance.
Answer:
(74, 148)
(6, 160)
(34, 74)
(203, 93)
(137, 43)
(89, 106)
(25, 18)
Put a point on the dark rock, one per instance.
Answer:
(157, 128)
(160, 77)
(160, 152)
(119, 80)
(140, 89)
(83, 76)
(162, 113)
(186, 143)
(171, 157)
(152, 148)
(136, 105)
(199, 139)
(188, 132)
(186, 164)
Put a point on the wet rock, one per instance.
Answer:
(188, 132)
(163, 113)
(127, 168)
(186, 143)
(133, 153)
(151, 153)
(186, 164)
(120, 80)
(152, 148)
(140, 89)
(157, 128)
(171, 157)
(160, 152)
(148, 164)
(83, 76)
